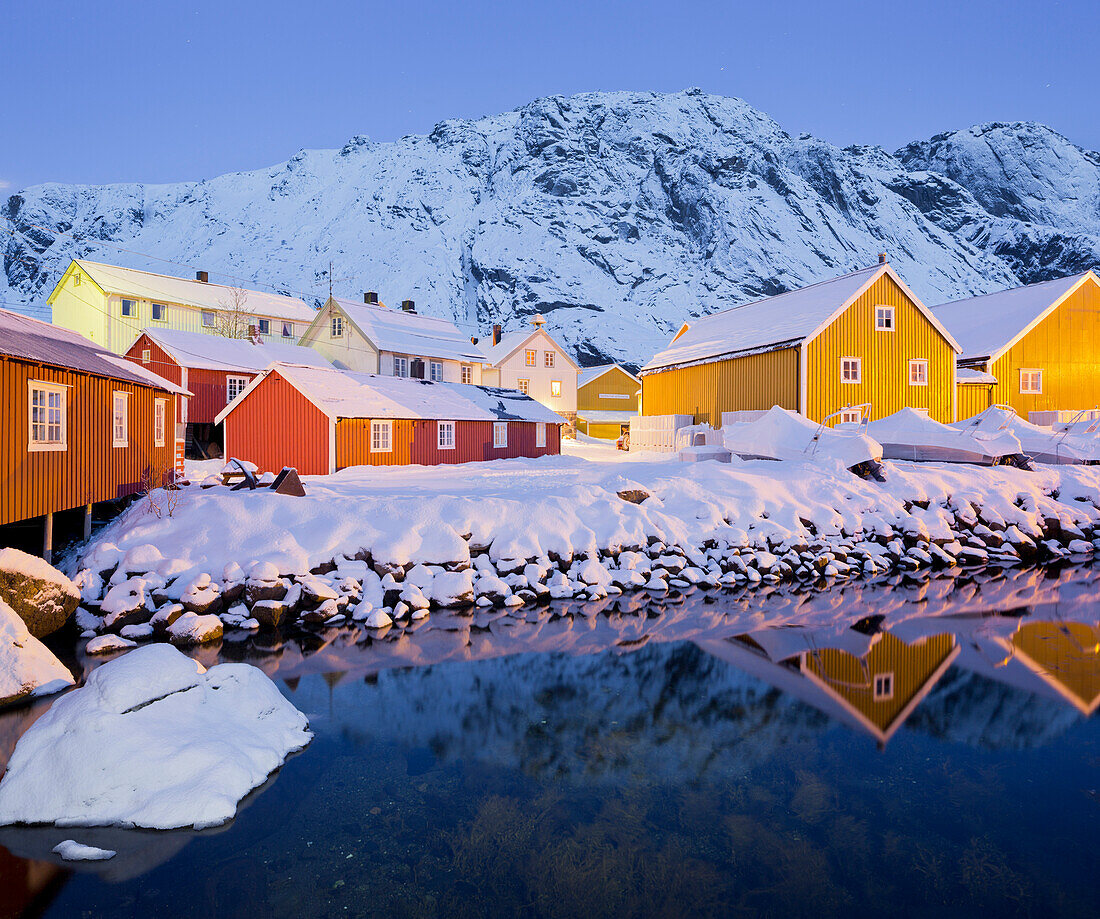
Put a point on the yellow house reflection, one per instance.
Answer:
(1065, 656)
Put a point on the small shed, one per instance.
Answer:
(320, 420)
(607, 398)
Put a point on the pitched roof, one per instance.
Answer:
(511, 342)
(410, 333)
(784, 320)
(989, 325)
(33, 340)
(347, 394)
(588, 374)
(150, 286)
(200, 351)
(970, 375)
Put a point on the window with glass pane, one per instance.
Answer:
(288, 330)
(500, 433)
(446, 435)
(918, 373)
(524, 386)
(530, 355)
(207, 319)
(467, 373)
(435, 372)
(265, 326)
(119, 420)
(380, 436)
(234, 386)
(849, 370)
(160, 312)
(337, 327)
(540, 435)
(400, 366)
(549, 358)
(884, 318)
(129, 308)
(555, 388)
(48, 416)
(159, 412)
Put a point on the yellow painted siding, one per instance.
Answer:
(1067, 654)
(885, 359)
(972, 398)
(1065, 346)
(757, 381)
(602, 431)
(615, 382)
(82, 307)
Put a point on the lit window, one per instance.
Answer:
(160, 312)
(548, 357)
(129, 308)
(208, 319)
(446, 435)
(265, 326)
(530, 356)
(400, 366)
(146, 356)
(523, 385)
(234, 386)
(849, 370)
(120, 419)
(884, 319)
(467, 373)
(337, 327)
(48, 417)
(884, 686)
(159, 417)
(1031, 381)
(555, 388)
(918, 373)
(500, 433)
(540, 435)
(380, 436)
(435, 371)
(288, 330)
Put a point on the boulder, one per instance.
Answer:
(126, 604)
(193, 629)
(38, 593)
(27, 667)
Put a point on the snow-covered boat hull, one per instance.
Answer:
(912, 435)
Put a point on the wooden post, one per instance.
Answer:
(47, 539)
(87, 523)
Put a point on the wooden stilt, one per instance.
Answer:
(47, 539)
(87, 523)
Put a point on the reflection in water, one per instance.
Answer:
(627, 757)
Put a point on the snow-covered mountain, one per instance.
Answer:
(617, 215)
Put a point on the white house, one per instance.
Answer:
(532, 362)
(369, 337)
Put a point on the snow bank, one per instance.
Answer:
(27, 667)
(152, 740)
(72, 851)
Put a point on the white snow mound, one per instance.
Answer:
(27, 667)
(152, 740)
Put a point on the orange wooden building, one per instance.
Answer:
(319, 420)
(80, 424)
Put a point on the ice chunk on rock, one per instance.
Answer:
(27, 667)
(152, 740)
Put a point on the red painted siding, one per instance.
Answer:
(277, 426)
(90, 469)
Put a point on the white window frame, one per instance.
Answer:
(920, 364)
(432, 367)
(884, 319)
(555, 389)
(234, 386)
(524, 386)
(160, 422)
(336, 326)
(1027, 374)
(146, 355)
(381, 437)
(44, 444)
(209, 319)
(400, 367)
(530, 357)
(882, 686)
(540, 434)
(467, 373)
(288, 330)
(500, 435)
(856, 365)
(264, 325)
(129, 312)
(445, 435)
(163, 317)
(851, 416)
(120, 423)
(549, 357)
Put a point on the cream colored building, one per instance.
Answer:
(532, 362)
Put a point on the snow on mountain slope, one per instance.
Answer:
(617, 215)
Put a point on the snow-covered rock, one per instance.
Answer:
(72, 851)
(27, 667)
(40, 594)
(151, 740)
(108, 644)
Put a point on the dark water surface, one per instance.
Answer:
(723, 754)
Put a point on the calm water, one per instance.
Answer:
(727, 755)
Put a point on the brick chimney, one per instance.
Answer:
(203, 276)
(408, 306)
(370, 297)
(496, 334)
(882, 258)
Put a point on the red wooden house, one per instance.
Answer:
(321, 420)
(212, 368)
(80, 424)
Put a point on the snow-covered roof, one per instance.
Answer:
(33, 340)
(510, 342)
(347, 394)
(200, 351)
(606, 416)
(588, 374)
(989, 325)
(410, 333)
(970, 375)
(781, 321)
(149, 286)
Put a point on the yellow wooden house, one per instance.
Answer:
(860, 338)
(607, 398)
(111, 306)
(1035, 347)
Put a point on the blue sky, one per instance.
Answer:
(120, 91)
